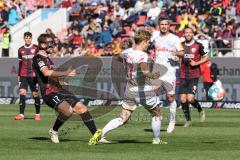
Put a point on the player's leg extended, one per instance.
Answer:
(185, 108)
(86, 117)
(172, 109)
(117, 122)
(191, 99)
(64, 111)
(113, 124)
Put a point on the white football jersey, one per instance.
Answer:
(132, 60)
(165, 45)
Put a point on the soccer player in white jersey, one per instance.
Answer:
(138, 89)
(168, 50)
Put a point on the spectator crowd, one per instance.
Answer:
(98, 27)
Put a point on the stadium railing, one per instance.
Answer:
(232, 51)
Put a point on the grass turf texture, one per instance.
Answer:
(217, 139)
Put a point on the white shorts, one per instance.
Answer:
(169, 82)
(132, 98)
(149, 103)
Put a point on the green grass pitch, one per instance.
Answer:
(217, 139)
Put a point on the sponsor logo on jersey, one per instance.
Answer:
(28, 56)
(188, 56)
(33, 50)
(41, 64)
(194, 50)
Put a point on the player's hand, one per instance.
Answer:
(71, 72)
(156, 75)
(18, 78)
(176, 58)
(193, 63)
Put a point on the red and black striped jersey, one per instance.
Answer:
(25, 56)
(193, 51)
(47, 85)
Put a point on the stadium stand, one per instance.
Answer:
(95, 25)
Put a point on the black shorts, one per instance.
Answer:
(188, 85)
(54, 99)
(31, 81)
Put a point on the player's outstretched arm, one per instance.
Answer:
(52, 73)
(146, 72)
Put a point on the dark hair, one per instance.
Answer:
(163, 18)
(42, 38)
(188, 27)
(127, 43)
(29, 34)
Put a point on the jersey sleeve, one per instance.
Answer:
(179, 45)
(201, 50)
(19, 55)
(36, 49)
(123, 54)
(39, 63)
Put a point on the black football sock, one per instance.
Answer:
(22, 104)
(58, 123)
(196, 105)
(88, 121)
(37, 104)
(186, 111)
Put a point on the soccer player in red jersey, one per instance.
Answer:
(62, 101)
(26, 76)
(194, 56)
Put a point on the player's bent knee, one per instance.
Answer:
(79, 108)
(125, 115)
(64, 110)
(35, 94)
(156, 112)
(170, 98)
(183, 99)
(190, 98)
(22, 92)
(124, 119)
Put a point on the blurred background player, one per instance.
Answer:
(168, 48)
(5, 42)
(27, 77)
(194, 55)
(62, 101)
(138, 78)
(209, 73)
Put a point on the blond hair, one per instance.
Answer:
(142, 35)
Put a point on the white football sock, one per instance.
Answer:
(113, 124)
(172, 108)
(156, 126)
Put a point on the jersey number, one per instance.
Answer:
(56, 99)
